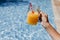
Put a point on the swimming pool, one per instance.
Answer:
(13, 24)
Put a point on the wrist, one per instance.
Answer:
(45, 24)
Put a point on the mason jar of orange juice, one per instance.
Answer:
(32, 16)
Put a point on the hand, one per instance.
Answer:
(49, 28)
(43, 19)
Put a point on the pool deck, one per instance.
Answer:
(56, 9)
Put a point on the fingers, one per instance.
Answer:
(43, 17)
(43, 14)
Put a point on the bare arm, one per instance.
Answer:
(53, 33)
(45, 23)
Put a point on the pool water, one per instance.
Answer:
(13, 24)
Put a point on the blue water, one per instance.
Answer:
(13, 24)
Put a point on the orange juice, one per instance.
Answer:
(32, 18)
